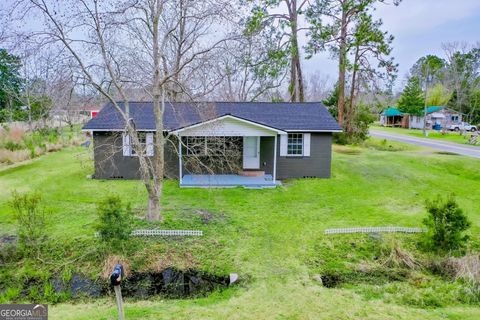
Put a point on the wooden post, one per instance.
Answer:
(180, 171)
(118, 296)
(275, 160)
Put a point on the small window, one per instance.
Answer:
(142, 147)
(295, 144)
(145, 147)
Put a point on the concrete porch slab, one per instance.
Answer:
(227, 181)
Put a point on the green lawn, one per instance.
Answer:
(272, 238)
(449, 136)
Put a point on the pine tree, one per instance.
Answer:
(412, 99)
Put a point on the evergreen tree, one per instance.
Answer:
(331, 102)
(412, 99)
(10, 84)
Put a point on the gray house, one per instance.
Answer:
(250, 144)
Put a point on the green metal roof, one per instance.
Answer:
(433, 109)
(392, 112)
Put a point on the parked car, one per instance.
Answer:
(463, 126)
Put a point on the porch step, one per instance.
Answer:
(252, 173)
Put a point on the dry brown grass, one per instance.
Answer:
(15, 134)
(171, 258)
(10, 157)
(52, 147)
(111, 262)
(466, 267)
(400, 258)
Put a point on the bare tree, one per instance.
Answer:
(285, 26)
(120, 45)
(317, 87)
(462, 72)
(248, 73)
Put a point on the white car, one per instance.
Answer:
(463, 126)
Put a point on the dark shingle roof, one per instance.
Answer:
(307, 116)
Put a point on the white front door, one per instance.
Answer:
(251, 152)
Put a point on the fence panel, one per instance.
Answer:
(373, 230)
(163, 233)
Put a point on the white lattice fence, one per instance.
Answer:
(162, 233)
(157, 232)
(373, 230)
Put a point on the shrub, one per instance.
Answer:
(357, 131)
(446, 223)
(31, 220)
(115, 220)
(12, 146)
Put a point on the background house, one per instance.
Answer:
(438, 117)
(392, 117)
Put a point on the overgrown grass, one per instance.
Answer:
(272, 238)
(17, 145)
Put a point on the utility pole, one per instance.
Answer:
(427, 77)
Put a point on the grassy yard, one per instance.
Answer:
(272, 238)
(449, 136)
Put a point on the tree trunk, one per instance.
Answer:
(342, 60)
(301, 89)
(292, 87)
(153, 208)
(351, 102)
(158, 93)
(296, 88)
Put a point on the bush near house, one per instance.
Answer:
(30, 220)
(115, 219)
(446, 223)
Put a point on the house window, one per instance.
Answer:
(295, 144)
(141, 148)
(145, 146)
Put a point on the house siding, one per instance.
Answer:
(111, 164)
(317, 165)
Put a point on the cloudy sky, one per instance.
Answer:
(420, 27)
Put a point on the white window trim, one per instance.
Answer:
(128, 150)
(296, 155)
(306, 143)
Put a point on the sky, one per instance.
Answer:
(419, 27)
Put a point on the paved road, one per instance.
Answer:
(466, 150)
